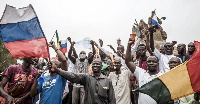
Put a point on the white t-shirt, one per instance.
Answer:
(144, 77)
(163, 61)
(70, 67)
(122, 86)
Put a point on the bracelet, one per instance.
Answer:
(56, 49)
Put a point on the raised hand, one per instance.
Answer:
(69, 39)
(153, 28)
(110, 46)
(52, 44)
(92, 42)
(131, 41)
(101, 42)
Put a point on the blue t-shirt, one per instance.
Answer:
(51, 89)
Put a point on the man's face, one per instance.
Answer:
(119, 42)
(96, 66)
(82, 55)
(181, 48)
(111, 67)
(168, 49)
(152, 63)
(191, 47)
(117, 64)
(31, 60)
(141, 51)
(173, 62)
(55, 63)
(162, 50)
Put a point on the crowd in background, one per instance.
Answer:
(101, 77)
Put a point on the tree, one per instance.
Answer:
(5, 57)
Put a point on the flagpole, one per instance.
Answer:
(50, 41)
(53, 36)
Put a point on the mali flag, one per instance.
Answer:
(181, 81)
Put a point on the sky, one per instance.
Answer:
(112, 19)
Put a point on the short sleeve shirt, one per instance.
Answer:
(122, 86)
(16, 73)
(144, 77)
(51, 89)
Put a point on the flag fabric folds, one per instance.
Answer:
(154, 20)
(63, 46)
(181, 81)
(22, 34)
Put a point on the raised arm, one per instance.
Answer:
(152, 30)
(112, 48)
(74, 52)
(128, 59)
(34, 91)
(61, 56)
(146, 33)
(93, 52)
(72, 58)
(134, 48)
(75, 78)
(102, 49)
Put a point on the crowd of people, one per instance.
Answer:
(101, 77)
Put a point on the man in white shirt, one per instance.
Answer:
(163, 58)
(142, 75)
(121, 81)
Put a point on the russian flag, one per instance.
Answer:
(63, 46)
(22, 34)
(154, 20)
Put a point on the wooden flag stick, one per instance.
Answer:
(96, 52)
(112, 58)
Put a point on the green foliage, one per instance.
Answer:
(5, 57)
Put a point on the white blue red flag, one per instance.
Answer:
(22, 34)
(154, 20)
(63, 46)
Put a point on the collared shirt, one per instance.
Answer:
(97, 90)
(144, 77)
(163, 61)
(122, 86)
